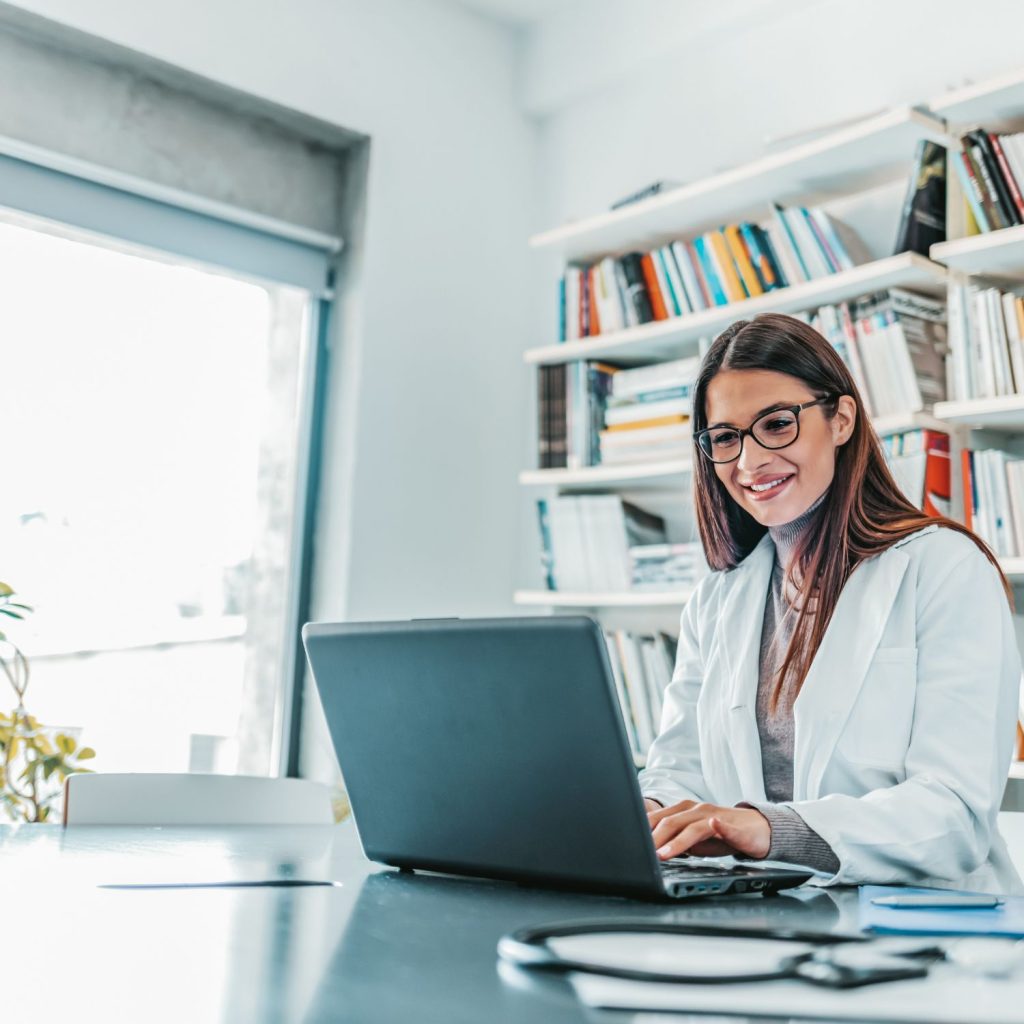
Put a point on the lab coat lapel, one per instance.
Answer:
(840, 665)
(740, 640)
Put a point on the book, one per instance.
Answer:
(972, 190)
(784, 245)
(653, 286)
(695, 295)
(709, 273)
(1007, 174)
(993, 177)
(923, 215)
(636, 289)
(670, 273)
(741, 258)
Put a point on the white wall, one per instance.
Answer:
(631, 92)
(417, 515)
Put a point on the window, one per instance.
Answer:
(153, 460)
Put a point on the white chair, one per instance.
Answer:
(194, 799)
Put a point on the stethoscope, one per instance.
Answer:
(834, 961)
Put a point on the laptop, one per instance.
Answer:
(496, 748)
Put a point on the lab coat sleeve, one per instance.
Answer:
(939, 823)
(673, 771)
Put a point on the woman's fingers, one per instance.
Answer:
(670, 825)
(692, 834)
(751, 834)
(656, 816)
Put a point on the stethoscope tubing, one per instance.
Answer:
(528, 947)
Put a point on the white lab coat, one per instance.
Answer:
(904, 727)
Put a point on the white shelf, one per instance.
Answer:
(639, 599)
(897, 423)
(638, 474)
(994, 254)
(840, 162)
(1013, 567)
(677, 337)
(1003, 413)
(990, 103)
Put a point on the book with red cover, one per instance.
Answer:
(658, 306)
(594, 321)
(1004, 167)
(937, 489)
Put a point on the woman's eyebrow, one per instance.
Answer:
(757, 415)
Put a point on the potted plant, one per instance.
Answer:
(34, 760)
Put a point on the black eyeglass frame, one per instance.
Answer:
(749, 431)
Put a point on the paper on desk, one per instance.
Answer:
(947, 996)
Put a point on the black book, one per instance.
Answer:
(544, 417)
(636, 289)
(1005, 200)
(559, 437)
(923, 220)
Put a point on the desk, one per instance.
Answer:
(383, 947)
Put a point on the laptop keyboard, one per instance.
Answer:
(676, 869)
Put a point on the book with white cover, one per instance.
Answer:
(694, 294)
(675, 280)
(620, 692)
(609, 302)
(567, 545)
(636, 689)
(1015, 485)
(1013, 341)
(647, 411)
(997, 334)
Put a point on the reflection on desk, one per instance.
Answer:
(383, 946)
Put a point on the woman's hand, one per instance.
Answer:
(707, 830)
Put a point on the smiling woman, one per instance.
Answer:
(831, 588)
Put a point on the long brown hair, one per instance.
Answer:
(863, 513)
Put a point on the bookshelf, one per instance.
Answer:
(677, 337)
(1003, 413)
(838, 169)
(838, 162)
(672, 473)
(674, 599)
(998, 254)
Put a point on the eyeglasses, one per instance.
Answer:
(776, 429)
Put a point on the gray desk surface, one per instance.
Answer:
(381, 947)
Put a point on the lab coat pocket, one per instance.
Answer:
(877, 732)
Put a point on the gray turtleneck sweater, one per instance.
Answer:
(793, 839)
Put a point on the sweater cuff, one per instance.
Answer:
(794, 841)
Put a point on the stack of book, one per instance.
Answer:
(994, 499)
(586, 542)
(894, 344)
(642, 667)
(647, 414)
(571, 400)
(736, 262)
(919, 460)
(991, 169)
(666, 567)
(986, 335)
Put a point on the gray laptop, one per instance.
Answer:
(496, 748)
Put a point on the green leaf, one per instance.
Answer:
(5, 590)
(65, 744)
(85, 753)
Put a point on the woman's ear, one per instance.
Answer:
(844, 420)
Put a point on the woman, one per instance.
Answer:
(846, 685)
